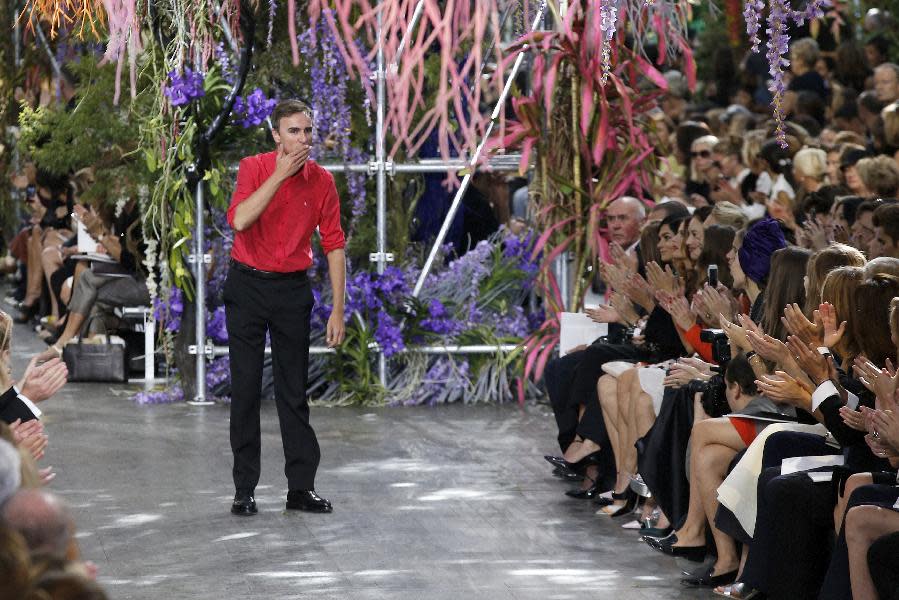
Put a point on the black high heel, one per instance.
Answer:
(589, 494)
(575, 467)
(630, 499)
(28, 313)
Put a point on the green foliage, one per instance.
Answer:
(93, 133)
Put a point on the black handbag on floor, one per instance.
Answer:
(95, 362)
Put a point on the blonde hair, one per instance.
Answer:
(707, 140)
(811, 162)
(752, 145)
(880, 174)
(728, 213)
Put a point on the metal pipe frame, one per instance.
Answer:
(379, 167)
(454, 349)
(381, 173)
(466, 181)
(199, 260)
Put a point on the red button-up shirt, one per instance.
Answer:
(280, 239)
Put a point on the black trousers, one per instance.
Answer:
(883, 560)
(282, 307)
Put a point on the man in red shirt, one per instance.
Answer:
(280, 199)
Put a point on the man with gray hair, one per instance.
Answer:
(45, 522)
(10, 471)
(886, 83)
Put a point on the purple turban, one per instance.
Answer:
(762, 240)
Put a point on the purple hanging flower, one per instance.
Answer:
(752, 12)
(182, 89)
(254, 110)
(778, 47)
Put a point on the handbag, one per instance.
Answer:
(95, 362)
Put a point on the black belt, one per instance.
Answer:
(267, 274)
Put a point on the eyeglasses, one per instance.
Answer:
(701, 154)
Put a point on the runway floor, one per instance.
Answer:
(430, 503)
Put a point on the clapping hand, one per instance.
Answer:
(623, 259)
(798, 325)
(784, 389)
(42, 381)
(828, 319)
(660, 280)
(817, 366)
(884, 436)
(624, 308)
(639, 291)
(603, 314)
(679, 309)
(735, 333)
(881, 382)
(682, 373)
(853, 418)
(768, 347)
(615, 276)
(30, 436)
(715, 302)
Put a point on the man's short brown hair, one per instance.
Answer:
(886, 216)
(285, 108)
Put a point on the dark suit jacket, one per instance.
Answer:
(12, 407)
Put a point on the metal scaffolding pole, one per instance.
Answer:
(199, 259)
(454, 349)
(381, 257)
(466, 181)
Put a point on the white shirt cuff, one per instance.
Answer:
(822, 393)
(31, 405)
(852, 401)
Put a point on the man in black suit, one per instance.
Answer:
(39, 383)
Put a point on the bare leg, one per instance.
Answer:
(607, 389)
(710, 431)
(854, 481)
(713, 462)
(35, 268)
(51, 261)
(864, 524)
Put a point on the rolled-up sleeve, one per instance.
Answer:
(246, 184)
(329, 228)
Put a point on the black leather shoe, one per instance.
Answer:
(307, 500)
(567, 475)
(589, 494)
(243, 506)
(703, 578)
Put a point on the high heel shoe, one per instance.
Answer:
(588, 494)
(630, 503)
(575, 467)
(28, 313)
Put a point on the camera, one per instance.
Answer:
(720, 345)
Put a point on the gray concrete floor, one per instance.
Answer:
(437, 503)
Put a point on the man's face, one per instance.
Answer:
(882, 245)
(886, 85)
(294, 132)
(624, 224)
